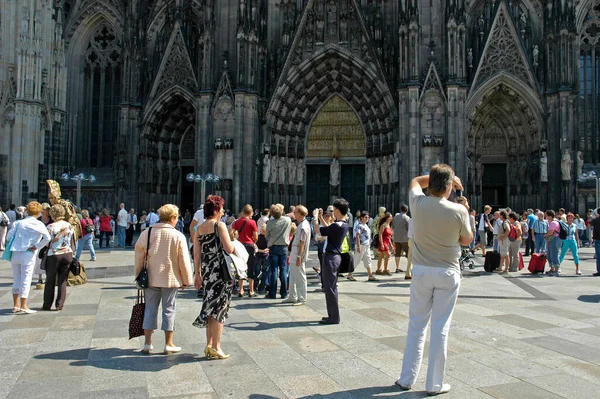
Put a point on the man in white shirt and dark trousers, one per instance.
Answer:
(121, 225)
(152, 218)
(440, 227)
(132, 221)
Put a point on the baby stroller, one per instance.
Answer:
(466, 258)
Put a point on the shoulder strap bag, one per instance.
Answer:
(7, 254)
(75, 266)
(142, 278)
(226, 265)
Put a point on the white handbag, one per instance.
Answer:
(240, 259)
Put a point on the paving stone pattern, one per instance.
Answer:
(516, 336)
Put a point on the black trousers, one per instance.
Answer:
(329, 273)
(529, 245)
(57, 267)
(129, 235)
(103, 234)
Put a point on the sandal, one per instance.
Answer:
(351, 278)
(373, 279)
(16, 310)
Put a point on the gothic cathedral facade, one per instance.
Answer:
(300, 101)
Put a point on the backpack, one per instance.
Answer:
(512, 235)
(89, 226)
(564, 231)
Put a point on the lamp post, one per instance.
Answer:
(585, 176)
(209, 177)
(78, 178)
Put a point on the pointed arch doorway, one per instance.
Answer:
(336, 132)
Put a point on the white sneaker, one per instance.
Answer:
(147, 349)
(444, 389)
(578, 272)
(172, 349)
(402, 387)
(299, 303)
(288, 300)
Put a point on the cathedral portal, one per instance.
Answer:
(335, 156)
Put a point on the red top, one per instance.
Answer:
(105, 223)
(386, 237)
(245, 236)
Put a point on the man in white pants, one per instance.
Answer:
(440, 227)
(362, 237)
(298, 257)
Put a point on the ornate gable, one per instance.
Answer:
(326, 23)
(433, 82)
(503, 52)
(175, 68)
(223, 105)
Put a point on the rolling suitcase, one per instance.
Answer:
(537, 263)
(492, 261)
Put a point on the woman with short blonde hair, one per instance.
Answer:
(169, 269)
(87, 236)
(28, 235)
(59, 258)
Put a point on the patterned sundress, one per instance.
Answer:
(217, 293)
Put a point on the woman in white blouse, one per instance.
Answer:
(28, 235)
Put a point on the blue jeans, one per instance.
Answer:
(553, 248)
(597, 247)
(85, 241)
(278, 258)
(540, 243)
(121, 234)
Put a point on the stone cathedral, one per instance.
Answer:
(300, 101)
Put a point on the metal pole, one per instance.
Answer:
(597, 193)
(79, 193)
(203, 199)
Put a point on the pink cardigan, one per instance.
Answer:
(169, 264)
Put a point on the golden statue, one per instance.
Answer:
(54, 196)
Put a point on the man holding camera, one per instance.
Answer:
(440, 227)
(335, 233)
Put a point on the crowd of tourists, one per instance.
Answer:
(433, 233)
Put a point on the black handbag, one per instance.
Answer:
(347, 263)
(136, 321)
(75, 266)
(226, 265)
(142, 278)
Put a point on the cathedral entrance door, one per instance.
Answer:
(317, 187)
(353, 186)
(494, 185)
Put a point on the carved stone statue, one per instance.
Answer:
(282, 170)
(376, 169)
(334, 172)
(544, 168)
(369, 171)
(478, 170)
(536, 54)
(300, 173)
(395, 168)
(580, 163)
(266, 168)
(273, 174)
(523, 170)
(291, 176)
(565, 165)
(470, 57)
(384, 169)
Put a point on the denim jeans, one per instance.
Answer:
(540, 243)
(597, 247)
(261, 272)
(121, 234)
(83, 242)
(278, 258)
(553, 248)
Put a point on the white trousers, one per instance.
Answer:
(433, 294)
(298, 283)
(3, 231)
(23, 263)
(364, 255)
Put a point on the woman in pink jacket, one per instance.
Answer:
(169, 268)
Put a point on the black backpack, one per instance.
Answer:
(564, 231)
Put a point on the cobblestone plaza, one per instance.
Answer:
(515, 336)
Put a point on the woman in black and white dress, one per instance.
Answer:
(207, 270)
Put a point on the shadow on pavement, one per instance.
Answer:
(589, 298)
(359, 393)
(121, 359)
(262, 326)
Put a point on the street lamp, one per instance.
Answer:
(78, 178)
(586, 176)
(210, 178)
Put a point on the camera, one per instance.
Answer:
(459, 193)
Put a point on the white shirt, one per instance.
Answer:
(483, 222)
(151, 219)
(12, 216)
(3, 216)
(261, 221)
(122, 218)
(497, 224)
(199, 216)
(28, 232)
